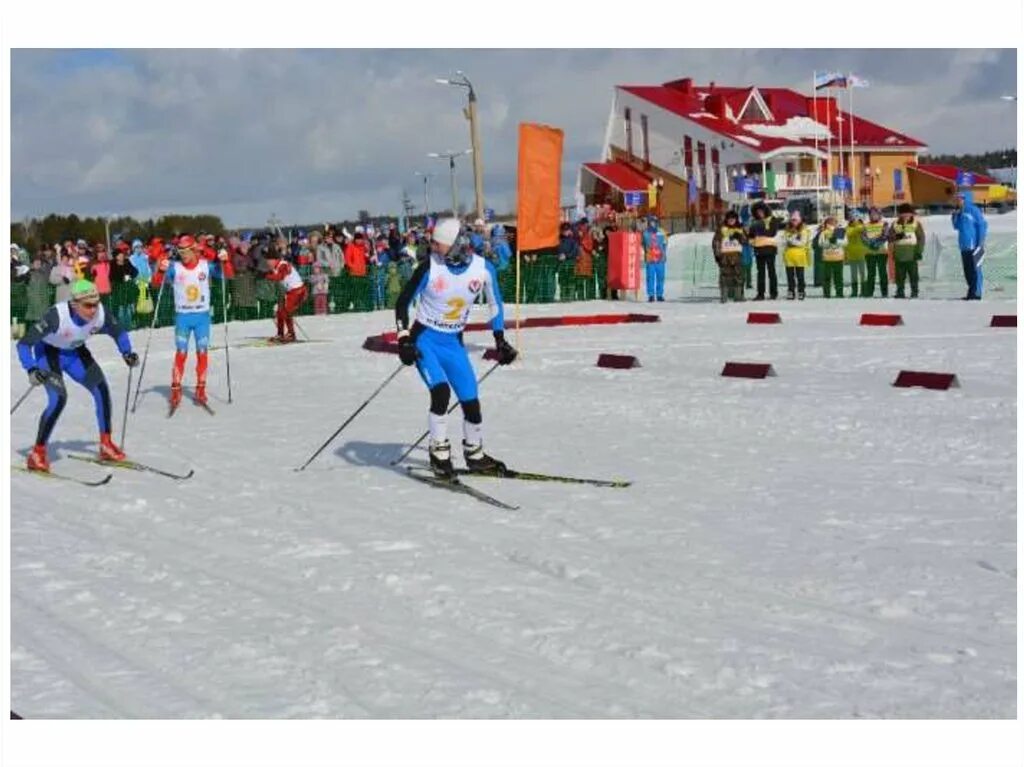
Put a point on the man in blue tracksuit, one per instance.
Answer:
(655, 251)
(56, 345)
(971, 229)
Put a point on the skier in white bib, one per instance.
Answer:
(56, 345)
(446, 285)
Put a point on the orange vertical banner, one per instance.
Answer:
(539, 191)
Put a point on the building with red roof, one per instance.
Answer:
(702, 148)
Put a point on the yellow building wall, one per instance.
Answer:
(672, 197)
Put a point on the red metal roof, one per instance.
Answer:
(949, 172)
(622, 176)
(700, 104)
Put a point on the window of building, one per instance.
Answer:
(629, 132)
(646, 140)
(701, 165)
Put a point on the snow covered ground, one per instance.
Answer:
(814, 545)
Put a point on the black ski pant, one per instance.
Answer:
(766, 263)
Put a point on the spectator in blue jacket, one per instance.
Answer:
(140, 260)
(655, 250)
(478, 235)
(568, 249)
(971, 228)
(499, 246)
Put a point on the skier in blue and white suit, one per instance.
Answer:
(446, 285)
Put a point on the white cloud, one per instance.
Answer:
(317, 135)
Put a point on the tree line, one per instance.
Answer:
(978, 163)
(33, 233)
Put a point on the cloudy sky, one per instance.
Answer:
(315, 135)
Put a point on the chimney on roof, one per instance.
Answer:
(715, 104)
(684, 85)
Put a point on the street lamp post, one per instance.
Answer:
(450, 156)
(426, 191)
(474, 136)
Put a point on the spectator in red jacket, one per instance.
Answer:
(357, 256)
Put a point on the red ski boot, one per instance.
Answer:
(201, 393)
(108, 450)
(175, 395)
(37, 460)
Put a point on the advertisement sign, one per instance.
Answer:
(633, 199)
(842, 184)
(625, 254)
(964, 178)
(747, 185)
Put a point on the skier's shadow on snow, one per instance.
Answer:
(58, 448)
(379, 454)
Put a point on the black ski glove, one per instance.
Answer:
(131, 359)
(506, 352)
(407, 351)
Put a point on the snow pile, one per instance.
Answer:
(819, 544)
(796, 128)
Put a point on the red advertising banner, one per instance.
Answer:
(625, 255)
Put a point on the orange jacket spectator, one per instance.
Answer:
(356, 257)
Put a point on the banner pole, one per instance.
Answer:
(518, 294)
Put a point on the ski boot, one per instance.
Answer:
(802, 295)
(478, 462)
(790, 295)
(175, 395)
(289, 338)
(441, 459)
(108, 450)
(201, 393)
(37, 460)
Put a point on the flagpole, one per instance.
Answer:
(828, 169)
(817, 160)
(518, 292)
(850, 85)
(842, 160)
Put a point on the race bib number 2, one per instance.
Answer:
(456, 305)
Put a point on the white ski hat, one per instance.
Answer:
(446, 232)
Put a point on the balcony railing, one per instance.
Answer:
(794, 181)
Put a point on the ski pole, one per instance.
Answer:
(145, 356)
(22, 398)
(301, 329)
(352, 417)
(127, 396)
(227, 352)
(423, 436)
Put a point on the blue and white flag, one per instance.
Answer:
(829, 80)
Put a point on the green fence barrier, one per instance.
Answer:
(544, 280)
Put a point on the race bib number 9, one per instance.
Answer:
(192, 293)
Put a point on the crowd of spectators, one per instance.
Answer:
(346, 271)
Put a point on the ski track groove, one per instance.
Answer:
(382, 637)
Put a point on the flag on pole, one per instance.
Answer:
(829, 80)
(857, 82)
(540, 186)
